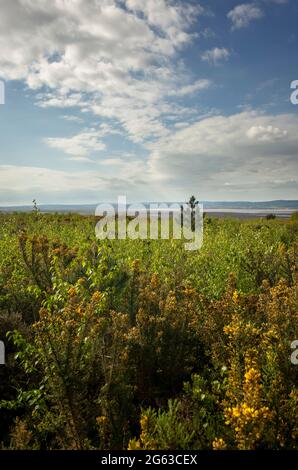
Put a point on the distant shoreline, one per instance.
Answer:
(278, 207)
(249, 213)
(233, 212)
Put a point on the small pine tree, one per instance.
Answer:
(192, 203)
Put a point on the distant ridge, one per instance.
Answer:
(283, 205)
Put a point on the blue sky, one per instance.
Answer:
(151, 99)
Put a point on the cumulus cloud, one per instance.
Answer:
(241, 156)
(266, 134)
(113, 58)
(243, 14)
(80, 145)
(216, 55)
(248, 151)
(168, 17)
(118, 60)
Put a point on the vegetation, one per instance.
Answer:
(143, 345)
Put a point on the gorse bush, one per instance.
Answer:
(247, 398)
(143, 345)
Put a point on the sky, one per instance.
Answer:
(152, 99)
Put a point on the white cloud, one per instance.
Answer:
(22, 184)
(194, 87)
(71, 118)
(266, 134)
(180, 125)
(243, 14)
(118, 59)
(216, 55)
(164, 15)
(79, 145)
(113, 57)
(248, 150)
(242, 156)
(25, 179)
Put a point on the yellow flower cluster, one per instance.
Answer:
(189, 291)
(219, 444)
(246, 413)
(145, 441)
(171, 302)
(238, 328)
(235, 297)
(102, 420)
(96, 297)
(72, 292)
(248, 417)
(136, 264)
(154, 281)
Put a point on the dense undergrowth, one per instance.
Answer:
(143, 345)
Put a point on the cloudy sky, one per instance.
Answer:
(152, 99)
